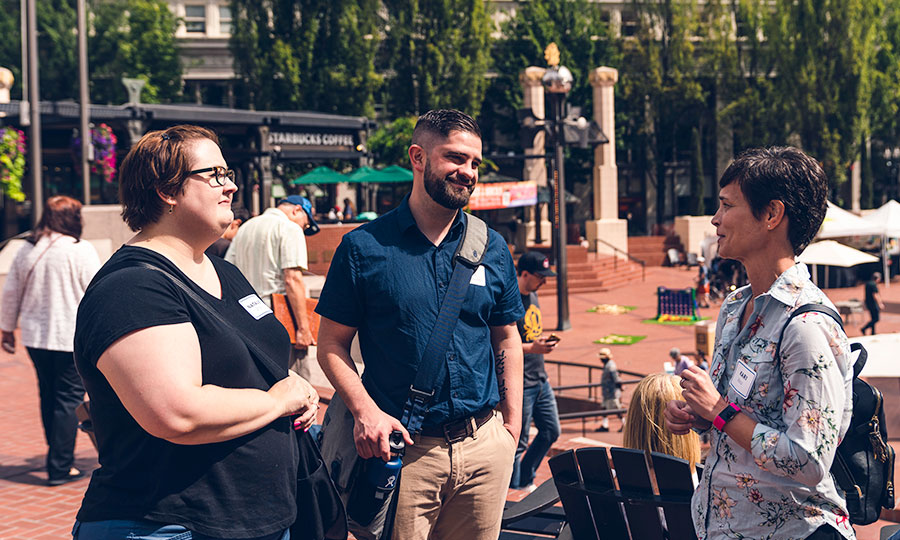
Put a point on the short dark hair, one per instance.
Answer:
(159, 162)
(442, 122)
(61, 214)
(783, 174)
(240, 213)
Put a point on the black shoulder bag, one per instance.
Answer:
(320, 511)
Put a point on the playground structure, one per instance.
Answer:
(676, 304)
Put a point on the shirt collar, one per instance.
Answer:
(787, 287)
(274, 211)
(405, 218)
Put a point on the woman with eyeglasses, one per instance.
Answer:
(194, 440)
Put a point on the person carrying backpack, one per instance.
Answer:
(775, 420)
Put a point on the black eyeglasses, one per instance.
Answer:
(220, 174)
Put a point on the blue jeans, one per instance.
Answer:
(538, 404)
(126, 529)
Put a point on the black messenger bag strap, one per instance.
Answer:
(469, 254)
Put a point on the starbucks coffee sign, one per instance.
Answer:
(307, 139)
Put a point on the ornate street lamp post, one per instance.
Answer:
(557, 82)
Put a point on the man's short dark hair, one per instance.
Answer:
(442, 122)
(159, 162)
(783, 174)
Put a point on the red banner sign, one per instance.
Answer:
(503, 195)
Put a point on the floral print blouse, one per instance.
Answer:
(802, 405)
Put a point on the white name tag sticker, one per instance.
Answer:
(255, 306)
(742, 380)
(478, 277)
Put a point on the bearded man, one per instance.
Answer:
(386, 282)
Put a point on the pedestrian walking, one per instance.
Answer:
(539, 403)
(873, 303)
(46, 281)
(610, 386)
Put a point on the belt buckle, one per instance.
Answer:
(454, 438)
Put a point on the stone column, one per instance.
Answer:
(534, 169)
(606, 225)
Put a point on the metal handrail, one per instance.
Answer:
(590, 367)
(629, 256)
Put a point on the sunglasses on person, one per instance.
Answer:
(220, 175)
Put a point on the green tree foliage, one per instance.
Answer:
(661, 88)
(390, 142)
(307, 54)
(133, 38)
(437, 53)
(126, 38)
(577, 28)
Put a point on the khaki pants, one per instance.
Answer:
(455, 491)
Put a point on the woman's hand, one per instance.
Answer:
(680, 418)
(700, 393)
(297, 396)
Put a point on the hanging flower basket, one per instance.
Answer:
(12, 162)
(104, 141)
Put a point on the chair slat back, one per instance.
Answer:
(634, 481)
(597, 476)
(674, 480)
(572, 494)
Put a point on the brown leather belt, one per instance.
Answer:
(458, 430)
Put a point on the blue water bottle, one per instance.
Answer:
(378, 480)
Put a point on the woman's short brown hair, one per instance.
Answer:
(61, 214)
(158, 163)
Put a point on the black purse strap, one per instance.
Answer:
(264, 360)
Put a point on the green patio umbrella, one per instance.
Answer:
(363, 175)
(320, 175)
(395, 173)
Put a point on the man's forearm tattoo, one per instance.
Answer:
(501, 368)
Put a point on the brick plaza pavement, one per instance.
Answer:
(32, 511)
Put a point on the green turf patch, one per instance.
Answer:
(618, 339)
(611, 309)
(675, 323)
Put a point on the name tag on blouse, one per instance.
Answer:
(742, 380)
(254, 306)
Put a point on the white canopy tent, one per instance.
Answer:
(831, 253)
(839, 223)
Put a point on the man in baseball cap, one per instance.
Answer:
(270, 250)
(610, 385)
(538, 403)
(536, 263)
(311, 226)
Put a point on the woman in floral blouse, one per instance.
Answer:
(775, 422)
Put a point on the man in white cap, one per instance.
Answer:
(611, 386)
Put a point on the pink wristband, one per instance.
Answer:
(727, 414)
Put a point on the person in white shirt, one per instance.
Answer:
(270, 250)
(46, 282)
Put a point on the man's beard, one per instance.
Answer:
(442, 192)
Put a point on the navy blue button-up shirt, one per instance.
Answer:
(388, 281)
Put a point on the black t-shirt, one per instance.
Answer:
(530, 329)
(240, 488)
(871, 291)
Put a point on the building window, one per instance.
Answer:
(195, 19)
(224, 19)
